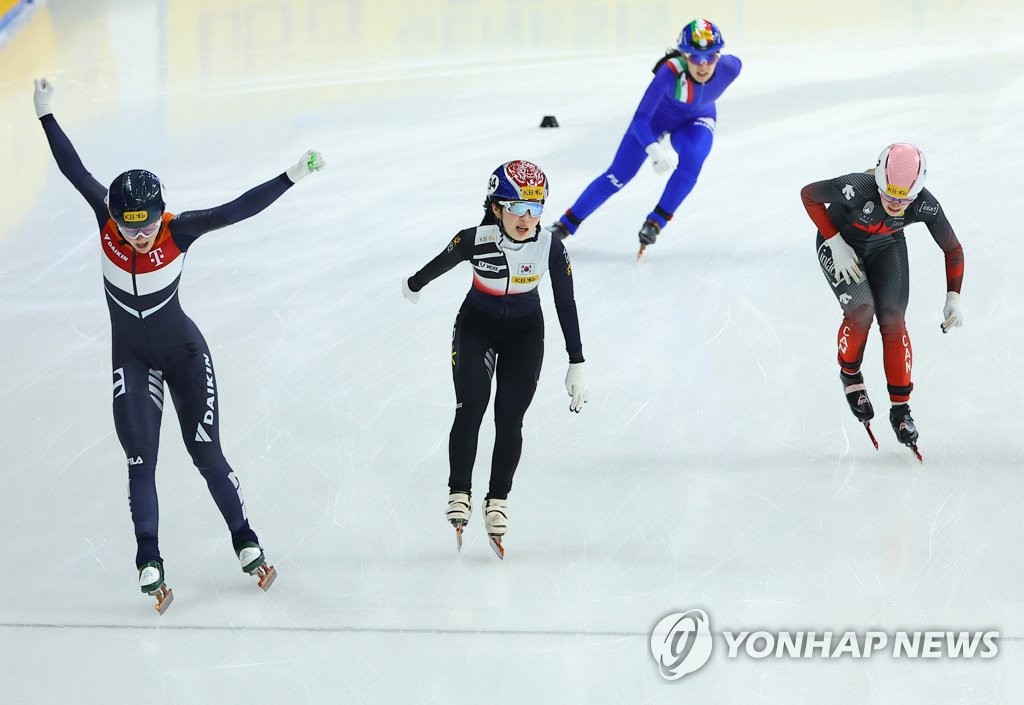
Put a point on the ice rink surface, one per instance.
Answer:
(716, 465)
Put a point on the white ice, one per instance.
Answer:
(716, 464)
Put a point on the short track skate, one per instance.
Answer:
(496, 524)
(459, 526)
(857, 397)
(266, 575)
(496, 546)
(253, 561)
(903, 426)
(460, 508)
(164, 597)
(151, 582)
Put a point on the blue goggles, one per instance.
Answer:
(702, 57)
(523, 207)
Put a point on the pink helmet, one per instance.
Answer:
(901, 170)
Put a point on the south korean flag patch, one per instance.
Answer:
(526, 269)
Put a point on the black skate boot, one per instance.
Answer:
(559, 230)
(648, 235)
(903, 425)
(857, 396)
(649, 232)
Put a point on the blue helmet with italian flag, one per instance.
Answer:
(700, 39)
(518, 180)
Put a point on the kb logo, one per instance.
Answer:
(681, 643)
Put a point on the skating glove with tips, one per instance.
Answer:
(663, 159)
(952, 315)
(845, 260)
(42, 96)
(311, 161)
(576, 385)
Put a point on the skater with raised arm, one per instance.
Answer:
(155, 345)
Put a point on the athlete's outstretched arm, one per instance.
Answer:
(458, 250)
(68, 161)
(189, 225)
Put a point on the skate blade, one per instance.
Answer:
(871, 434)
(496, 546)
(917, 453)
(267, 575)
(459, 526)
(164, 597)
(641, 252)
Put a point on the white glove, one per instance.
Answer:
(311, 161)
(951, 312)
(845, 260)
(663, 159)
(576, 385)
(42, 96)
(409, 294)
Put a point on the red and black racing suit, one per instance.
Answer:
(856, 214)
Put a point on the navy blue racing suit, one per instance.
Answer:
(154, 344)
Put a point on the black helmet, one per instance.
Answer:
(135, 199)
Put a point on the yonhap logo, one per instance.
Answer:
(681, 643)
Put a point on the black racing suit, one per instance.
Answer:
(499, 331)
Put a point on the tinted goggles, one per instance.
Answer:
(523, 207)
(698, 59)
(136, 233)
(896, 201)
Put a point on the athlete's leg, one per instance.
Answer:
(519, 362)
(628, 159)
(189, 373)
(472, 368)
(692, 142)
(138, 407)
(888, 270)
(858, 304)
